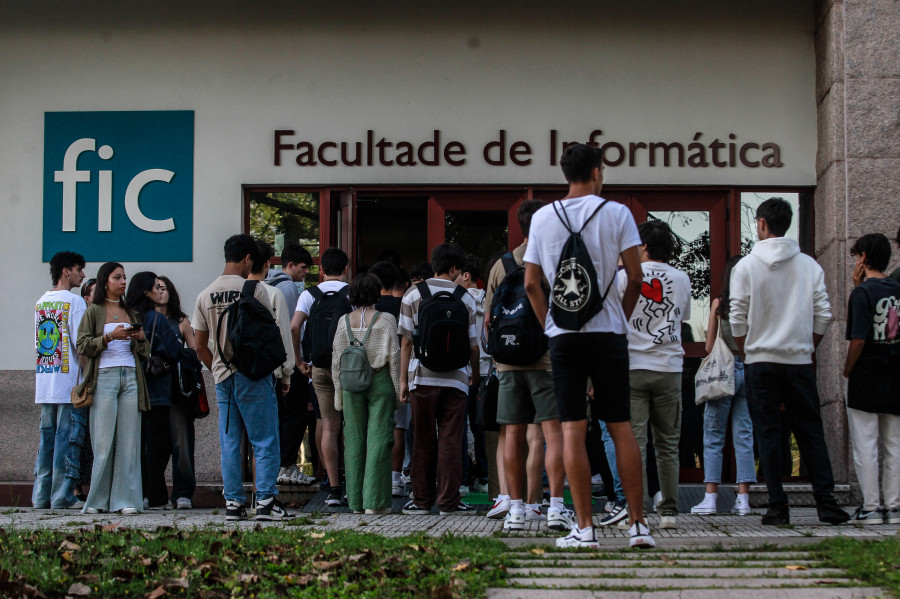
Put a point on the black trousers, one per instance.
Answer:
(769, 385)
(292, 416)
(156, 449)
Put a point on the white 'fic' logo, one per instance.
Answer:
(70, 177)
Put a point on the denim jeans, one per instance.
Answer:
(56, 466)
(716, 414)
(770, 385)
(116, 438)
(181, 427)
(610, 448)
(248, 405)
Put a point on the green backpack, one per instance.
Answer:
(355, 371)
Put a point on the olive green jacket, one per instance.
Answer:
(90, 345)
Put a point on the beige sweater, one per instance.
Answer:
(382, 349)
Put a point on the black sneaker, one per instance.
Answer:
(272, 509)
(462, 509)
(619, 512)
(325, 485)
(411, 509)
(235, 510)
(862, 516)
(777, 515)
(335, 497)
(831, 512)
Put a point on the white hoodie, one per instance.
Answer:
(778, 300)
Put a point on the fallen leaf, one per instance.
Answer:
(317, 535)
(122, 575)
(795, 567)
(79, 590)
(326, 565)
(463, 565)
(537, 551)
(668, 561)
(135, 549)
(251, 578)
(146, 562)
(110, 527)
(327, 541)
(67, 556)
(89, 578)
(162, 557)
(33, 592)
(148, 535)
(175, 583)
(69, 546)
(157, 593)
(215, 547)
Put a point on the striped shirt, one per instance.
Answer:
(409, 319)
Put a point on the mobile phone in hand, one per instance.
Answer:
(135, 327)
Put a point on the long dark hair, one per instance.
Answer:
(725, 297)
(136, 297)
(102, 280)
(173, 308)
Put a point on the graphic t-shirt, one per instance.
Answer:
(56, 318)
(873, 314)
(654, 341)
(211, 302)
(608, 234)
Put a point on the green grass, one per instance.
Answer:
(263, 562)
(874, 562)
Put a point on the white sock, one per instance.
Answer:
(516, 505)
(502, 497)
(712, 496)
(395, 477)
(586, 533)
(557, 503)
(533, 506)
(744, 495)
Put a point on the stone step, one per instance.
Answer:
(624, 554)
(670, 562)
(780, 593)
(717, 573)
(680, 583)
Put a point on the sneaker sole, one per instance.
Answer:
(497, 516)
(642, 542)
(513, 527)
(560, 525)
(611, 521)
(867, 521)
(458, 513)
(333, 502)
(703, 511)
(416, 512)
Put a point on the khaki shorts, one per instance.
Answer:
(324, 387)
(525, 397)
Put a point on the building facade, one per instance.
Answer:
(147, 133)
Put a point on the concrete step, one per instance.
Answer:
(669, 562)
(657, 572)
(679, 583)
(660, 553)
(780, 593)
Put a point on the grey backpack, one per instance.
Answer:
(355, 371)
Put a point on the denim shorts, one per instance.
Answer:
(604, 358)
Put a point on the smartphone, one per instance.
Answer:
(135, 327)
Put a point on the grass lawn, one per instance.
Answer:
(874, 562)
(262, 562)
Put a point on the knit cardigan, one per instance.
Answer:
(90, 345)
(381, 348)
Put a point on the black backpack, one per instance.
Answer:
(256, 345)
(324, 315)
(515, 335)
(441, 339)
(575, 294)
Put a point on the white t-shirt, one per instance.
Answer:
(607, 235)
(304, 304)
(654, 342)
(484, 360)
(56, 318)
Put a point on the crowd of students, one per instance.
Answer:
(580, 325)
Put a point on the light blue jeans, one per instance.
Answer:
(59, 453)
(715, 422)
(116, 440)
(610, 448)
(251, 405)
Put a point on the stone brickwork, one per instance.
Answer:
(857, 169)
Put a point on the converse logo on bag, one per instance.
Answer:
(572, 286)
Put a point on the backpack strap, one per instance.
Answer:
(562, 215)
(424, 291)
(315, 292)
(249, 289)
(509, 263)
(608, 287)
(350, 335)
(593, 214)
(371, 326)
(459, 292)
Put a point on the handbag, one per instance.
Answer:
(190, 389)
(156, 366)
(715, 377)
(486, 415)
(85, 399)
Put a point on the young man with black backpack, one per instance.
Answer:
(320, 308)
(245, 403)
(577, 242)
(517, 342)
(438, 361)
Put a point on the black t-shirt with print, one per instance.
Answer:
(873, 314)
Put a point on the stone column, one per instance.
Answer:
(857, 169)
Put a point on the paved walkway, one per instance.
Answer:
(707, 557)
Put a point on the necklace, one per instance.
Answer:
(115, 316)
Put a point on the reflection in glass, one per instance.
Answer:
(750, 201)
(692, 255)
(283, 219)
(482, 233)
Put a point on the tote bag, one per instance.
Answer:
(715, 378)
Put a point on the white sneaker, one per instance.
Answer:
(398, 490)
(405, 479)
(129, 511)
(534, 513)
(304, 479)
(514, 521)
(184, 503)
(707, 506)
(463, 490)
(622, 524)
(657, 499)
(499, 510)
(91, 510)
(668, 522)
(480, 487)
(640, 536)
(596, 480)
(560, 519)
(742, 504)
(284, 476)
(295, 475)
(573, 539)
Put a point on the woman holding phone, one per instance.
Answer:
(112, 341)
